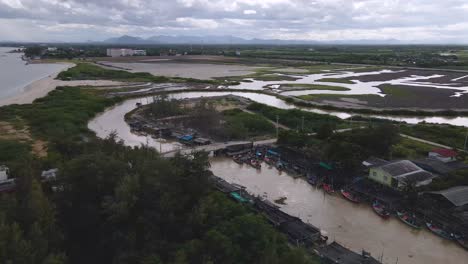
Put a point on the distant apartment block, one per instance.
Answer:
(125, 52)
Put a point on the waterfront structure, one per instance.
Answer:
(452, 197)
(439, 167)
(399, 174)
(336, 253)
(444, 155)
(125, 52)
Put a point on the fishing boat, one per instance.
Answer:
(312, 179)
(349, 196)
(255, 163)
(462, 241)
(380, 209)
(328, 188)
(238, 159)
(439, 231)
(409, 219)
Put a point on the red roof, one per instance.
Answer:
(445, 152)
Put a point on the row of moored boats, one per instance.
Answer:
(410, 219)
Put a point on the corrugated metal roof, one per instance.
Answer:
(458, 196)
(398, 168)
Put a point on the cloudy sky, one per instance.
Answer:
(422, 21)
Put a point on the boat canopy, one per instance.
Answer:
(274, 153)
(326, 166)
(186, 138)
(238, 197)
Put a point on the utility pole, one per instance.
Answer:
(466, 140)
(160, 142)
(277, 126)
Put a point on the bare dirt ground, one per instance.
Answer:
(189, 58)
(203, 71)
(9, 132)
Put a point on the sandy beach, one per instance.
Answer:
(42, 87)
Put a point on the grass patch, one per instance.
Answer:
(63, 113)
(242, 125)
(395, 91)
(299, 86)
(410, 149)
(293, 118)
(11, 150)
(319, 97)
(336, 80)
(453, 136)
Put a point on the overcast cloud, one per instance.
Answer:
(422, 21)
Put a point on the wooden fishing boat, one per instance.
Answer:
(349, 196)
(238, 160)
(328, 188)
(462, 241)
(256, 164)
(439, 231)
(312, 179)
(409, 219)
(380, 209)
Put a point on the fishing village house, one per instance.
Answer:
(444, 155)
(400, 174)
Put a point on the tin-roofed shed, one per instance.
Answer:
(457, 196)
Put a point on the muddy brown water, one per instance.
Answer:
(354, 225)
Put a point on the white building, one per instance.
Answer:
(4, 172)
(139, 52)
(120, 52)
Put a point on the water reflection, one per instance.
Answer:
(354, 225)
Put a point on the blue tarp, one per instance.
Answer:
(271, 152)
(186, 138)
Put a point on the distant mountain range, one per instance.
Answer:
(127, 40)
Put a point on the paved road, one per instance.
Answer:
(427, 142)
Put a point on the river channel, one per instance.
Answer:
(355, 226)
(112, 120)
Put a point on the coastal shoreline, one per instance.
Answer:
(42, 87)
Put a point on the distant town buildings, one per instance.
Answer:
(125, 52)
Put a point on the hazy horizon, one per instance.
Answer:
(409, 22)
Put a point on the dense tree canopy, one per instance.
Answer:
(114, 204)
